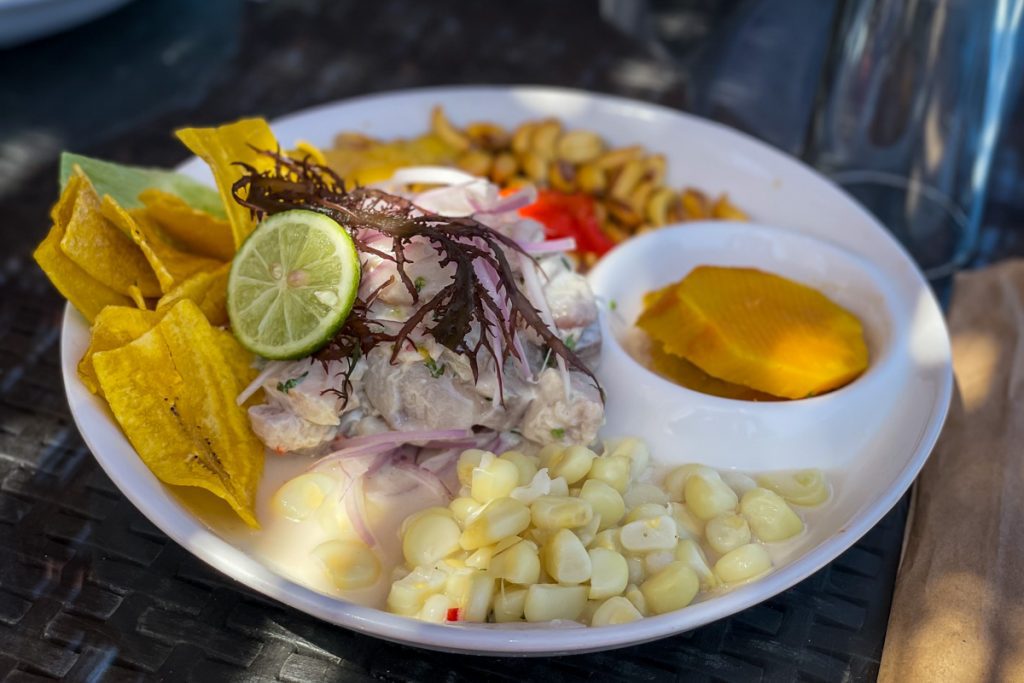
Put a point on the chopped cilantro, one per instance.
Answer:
(570, 342)
(419, 283)
(558, 433)
(565, 262)
(289, 384)
(613, 304)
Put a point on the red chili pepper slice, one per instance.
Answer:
(569, 215)
(453, 614)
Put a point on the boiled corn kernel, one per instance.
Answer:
(657, 560)
(468, 460)
(609, 573)
(518, 564)
(646, 511)
(426, 512)
(770, 517)
(645, 535)
(572, 464)
(566, 559)
(300, 497)
(498, 519)
(588, 531)
(547, 453)
(615, 610)
(672, 588)
(727, 532)
(605, 501)
(675, 480)
(435, 609)
(408, 595)
(686, 523)
(547, 602)
(559, 487)
(806, 487)
(480, 558)
(633, 448)
(348, 564)
(558, 512)
(430, 538)
(495, 479)
(635, 567)
(509, 604)
(708, 496)
(638, 494)
(637, 599)
(612, 470)
(743, 563)
(464, 509)
(526, 465)
(478, 598)
(690, 552)
(738, 482)
(609, 538)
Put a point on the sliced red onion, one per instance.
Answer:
(351, 452)
(549, 246)
(355, 506)
(430, 175)
(535, 292)
(523, 197)
(401, 438)
(270, 368)
(426, 478)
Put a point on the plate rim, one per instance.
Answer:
(186, 530)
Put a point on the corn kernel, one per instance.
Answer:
(408, 595)
(605, 501)
(300, 497)
(657, 560)
(559, 487)
(638, 494)
(547, 602)
(637, 599)
(634, 449)
(635, 567)
(672, 588)
(770, 517)
(686, 523)
(349, 564)
(806, 487)
(708, 496)
(588, 531)
(469, 459)
(435, 609)
(738, 482)
(646, 511)
(727, 532)
(743, 563)
(608, 539)
(572, 464)
(436, 510)
(612, 470)
(690, 552)
(430, 538)
(615, 610)
(496, 479)
(557, 512)
(526, 466)
(509, 604)
(518, 564)
(500, 518)
(464, 509)
(675, 480)
(609, 573)
(548, 453)
(480, 558)
(645, 535)
(566, 559)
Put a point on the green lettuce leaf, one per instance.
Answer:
(125, 183)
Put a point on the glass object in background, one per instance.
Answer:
(912, 106)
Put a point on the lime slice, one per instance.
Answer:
(292, 284)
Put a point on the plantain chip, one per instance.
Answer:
(100, 248)
(173, 392)
(114, 327)
(224, 148)
(171, 265)
(208, 289)
(196, 230)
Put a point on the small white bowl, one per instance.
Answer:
(682, 425)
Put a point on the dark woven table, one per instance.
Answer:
(89, 589)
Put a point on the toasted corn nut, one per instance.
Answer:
(562, 177)
(695, 205)
(544, 138)
(727, 211)
(353, 141)
(638, 197)
(487, 135)
(448, 133)
(631, 174)
(591, 179)
(655, 169)
(475, 161)
(617, 157)
(522, 136)
(517, 181)
(534, 166)
(657, 207)
(623, 214)
(504, 168)
(579, 147)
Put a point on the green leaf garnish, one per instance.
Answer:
(558, 433)
(288, 385)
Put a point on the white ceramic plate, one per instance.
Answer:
(774, 188)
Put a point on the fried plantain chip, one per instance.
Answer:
(114, 327)
(208, 289)
(196, 230)
(170, 392)
(170, 264)
(100, 248)
(223, 148)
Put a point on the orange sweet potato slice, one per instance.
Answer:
(758, 330)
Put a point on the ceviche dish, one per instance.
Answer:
(383, 359)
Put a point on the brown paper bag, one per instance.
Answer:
(958, 609)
